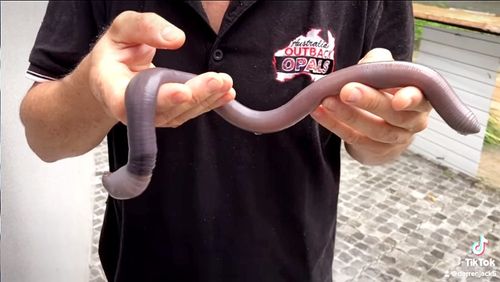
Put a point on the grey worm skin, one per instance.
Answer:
(140, 100)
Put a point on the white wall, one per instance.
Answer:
(470, 61)
(46, 208)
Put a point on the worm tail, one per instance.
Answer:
(123, 185)
(132, 179)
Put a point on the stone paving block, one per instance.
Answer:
(350, 271)
(388, 259)
(438, 254)
(415, 252)
(436, 273)
(384, 229)
(423, 265)
(340, 245)
(412, 272)
(393, 272)
(442, 247)
(364, 278)
(355, 252)
(385, 277)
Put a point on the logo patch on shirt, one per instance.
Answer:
(310, 55)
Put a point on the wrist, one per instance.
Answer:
(79, 84)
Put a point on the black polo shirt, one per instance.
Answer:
(225, 204)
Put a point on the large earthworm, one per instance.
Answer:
(140, 99)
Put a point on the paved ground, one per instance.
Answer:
(408, 221)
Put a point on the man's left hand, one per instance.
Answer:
(377, 125)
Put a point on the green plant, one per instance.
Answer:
(419, 29)
(492, 135)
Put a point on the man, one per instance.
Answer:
(223, 204)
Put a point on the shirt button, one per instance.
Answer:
(218, 55)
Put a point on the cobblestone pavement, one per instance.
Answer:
(411, 220)
(100, 196)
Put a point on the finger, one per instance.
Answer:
(209, 87)
(367, 98)
(171, 97)
(220, 92)
(377, 55)
(188, 95)
(325, 118)
(195, 112)
(178, 101)
(131, 27)
(349, 135)
(410, 99)
(380, 104)
(368, 124)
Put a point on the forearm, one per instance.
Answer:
(62, 118)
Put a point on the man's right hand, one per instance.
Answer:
(128, 47)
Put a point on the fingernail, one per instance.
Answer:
(354, 96)
(214, 83)
(170, 33)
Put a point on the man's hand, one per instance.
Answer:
(70, 116)
(376, 125)
(127, 48)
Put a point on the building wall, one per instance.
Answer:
(470, 62)
(46, 208)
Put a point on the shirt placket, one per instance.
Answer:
(234, 11)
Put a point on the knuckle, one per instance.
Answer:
(415, 123)
(348, 116)
(142, 21)
(420, 126)
(122, 19)
(163, 116)
(387, 134)
(174, 123)
(405, 138)
(400, 137)
(205, 105)
(201, 101)
(373, 103)
(401, 119)
(351, 138)
(196, 99)
(384, 134)
(125, 15)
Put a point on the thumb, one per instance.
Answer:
(377, 55)
(130, 28)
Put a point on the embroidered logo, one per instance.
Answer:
(310, 55)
